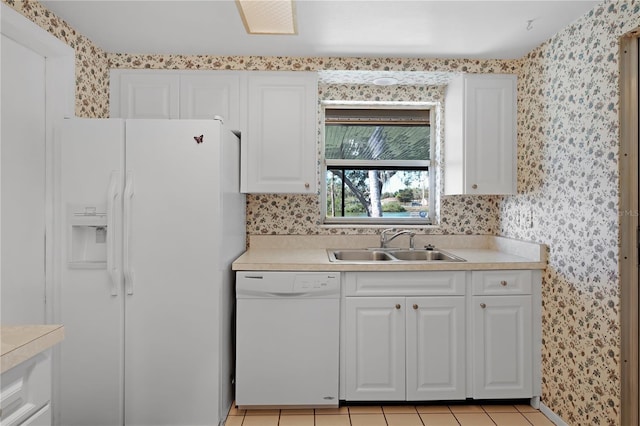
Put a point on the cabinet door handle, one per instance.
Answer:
(306, 185)
(503, 283)
(474, 186)
(483, 305)
(415, 306)
(398, 306)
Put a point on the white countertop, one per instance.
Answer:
(487, 254)
(21, 342)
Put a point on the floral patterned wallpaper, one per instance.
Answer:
(568, 154)
(92, 70)
(567, 180)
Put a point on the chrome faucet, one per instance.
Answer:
(384, 239)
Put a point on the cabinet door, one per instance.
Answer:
(147, 95)
(435, 348)
(490, 134)
(279, 150)
(375, 344)
(25, 393)
(480, 135)
(206, 95)
(41, 418)
(502, 358)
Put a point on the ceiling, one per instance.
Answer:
(346, 28)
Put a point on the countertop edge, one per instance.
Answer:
(315, 259)
(355, 267)
(50, 336)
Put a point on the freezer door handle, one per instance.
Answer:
(128, 200)
(112, 202)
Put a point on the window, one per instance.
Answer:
(377, 165)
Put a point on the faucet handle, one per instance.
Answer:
(429, 247)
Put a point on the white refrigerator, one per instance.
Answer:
(149, 218)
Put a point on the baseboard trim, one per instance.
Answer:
(556, 419)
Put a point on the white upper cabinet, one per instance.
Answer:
(480, 134)
(177, 94)
(276, 112)
(204, 96)
(145, 95)
(280, 145)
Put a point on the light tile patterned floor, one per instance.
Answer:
(394, 415)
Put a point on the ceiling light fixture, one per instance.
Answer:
(268, 16)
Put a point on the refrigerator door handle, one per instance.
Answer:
(112, 201)
(128, 199)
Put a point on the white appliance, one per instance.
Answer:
(149, 219)
(287, 339)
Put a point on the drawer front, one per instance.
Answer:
(432, 283)
(501, 282)
(26, 388)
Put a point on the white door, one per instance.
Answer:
(435, 348)
(171, 272)
(23, 184)
(502, 358)
(91, 299)
(375, 351)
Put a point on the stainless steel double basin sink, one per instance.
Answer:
(377, 255)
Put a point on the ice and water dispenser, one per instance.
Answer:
(88, 236)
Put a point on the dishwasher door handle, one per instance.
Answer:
(288, 294)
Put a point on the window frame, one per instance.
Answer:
(397, 164)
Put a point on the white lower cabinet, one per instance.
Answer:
(405, 348)
(502, 361)
(441, 335)
(435, 348)
(25, 394)
(375, 348)
(503, 334)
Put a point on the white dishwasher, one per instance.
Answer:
(287, 339)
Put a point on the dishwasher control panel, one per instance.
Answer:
(316, 282)
(287, 284)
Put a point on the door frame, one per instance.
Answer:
(59, 103)
(60, 94)
(629, 233)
